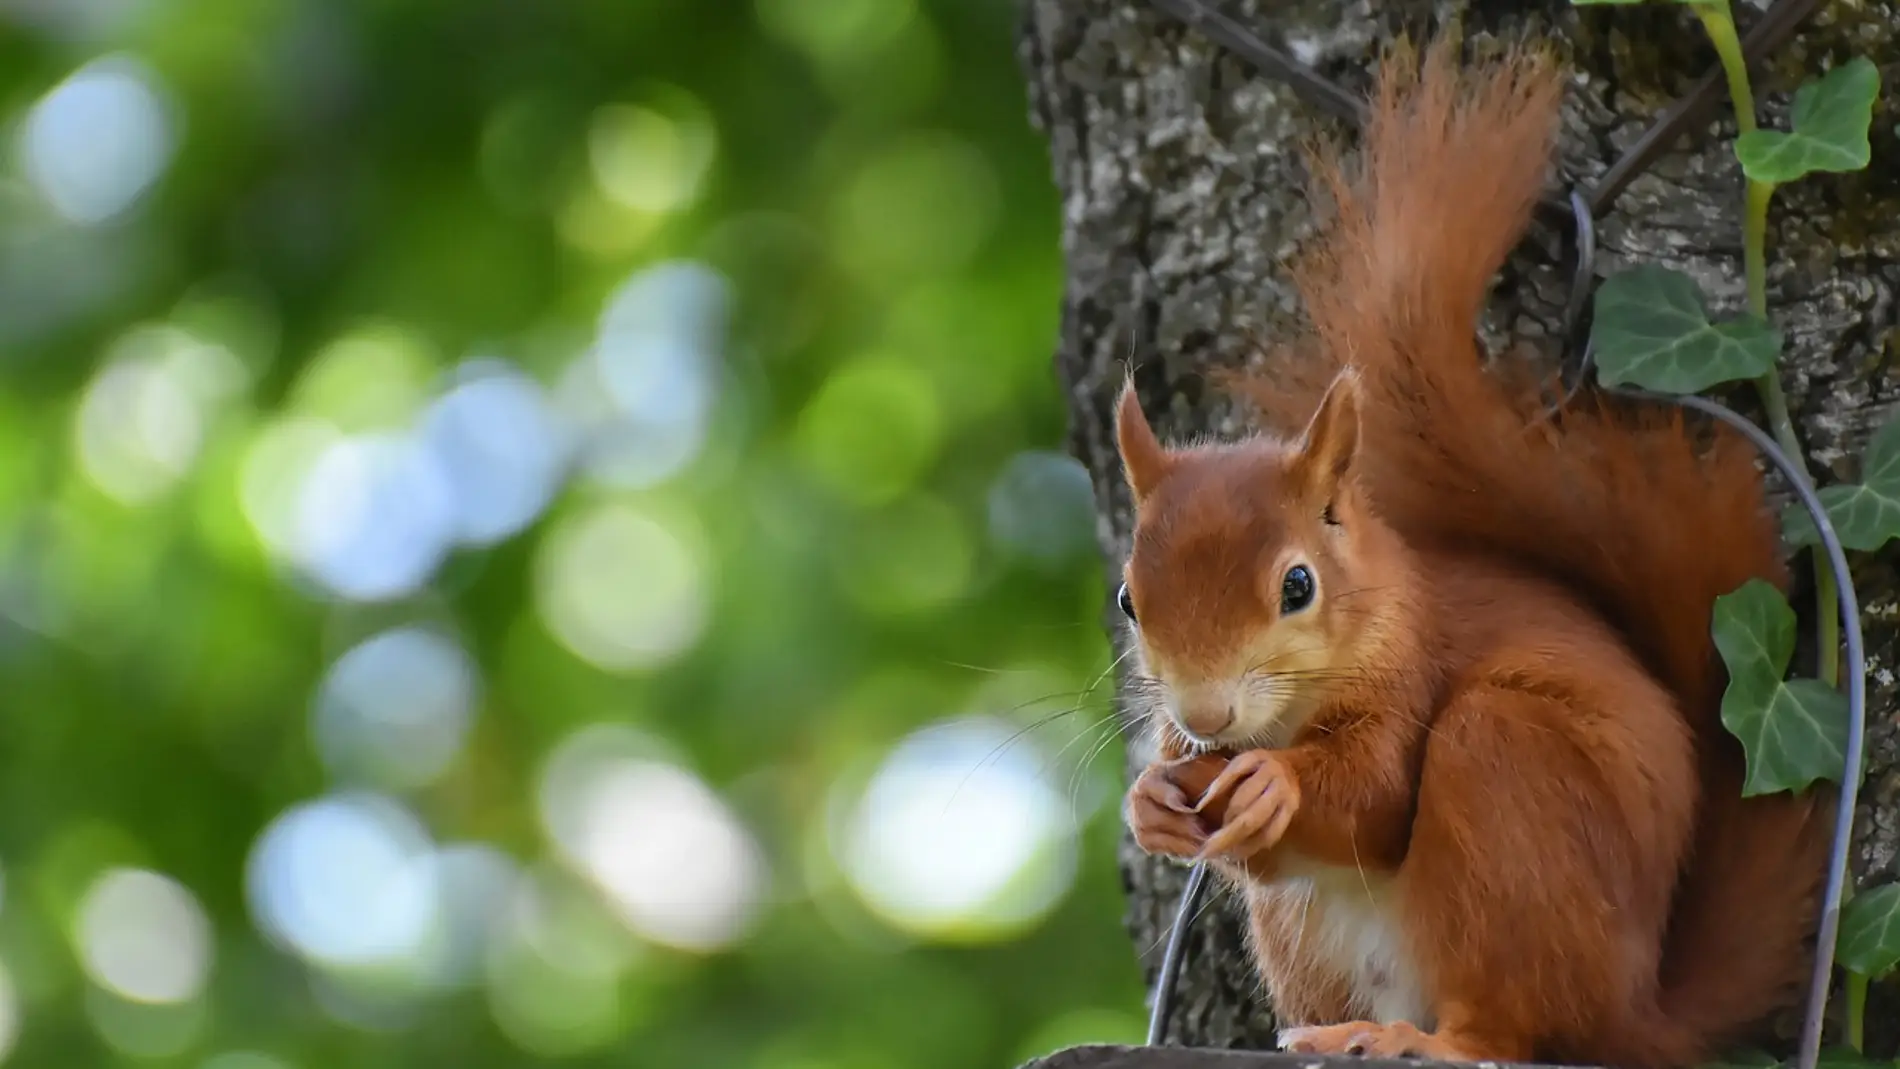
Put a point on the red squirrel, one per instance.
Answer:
(1433, 674)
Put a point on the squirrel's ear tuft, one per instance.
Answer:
(1331, 440)
(1144, 461)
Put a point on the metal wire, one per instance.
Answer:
(1780, 21)
(1847, 604)
(1810, 1052)
(1171, 959)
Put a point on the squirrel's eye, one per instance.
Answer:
(1296, 590)
(1126, 602)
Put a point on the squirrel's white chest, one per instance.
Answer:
(1348, 925)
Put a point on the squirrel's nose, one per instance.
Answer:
(1207, 720)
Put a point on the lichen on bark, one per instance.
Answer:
(1181, 182)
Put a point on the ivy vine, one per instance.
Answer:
(1651, 329)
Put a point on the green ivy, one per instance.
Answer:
(1652, 329)
(1870, 932)
(1865, 514)
(1831, 118)
(1795, 730)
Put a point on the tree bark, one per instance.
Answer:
(1181, 182)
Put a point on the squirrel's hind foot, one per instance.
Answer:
(1400, 1039)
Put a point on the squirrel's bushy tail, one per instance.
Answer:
(1648, 518)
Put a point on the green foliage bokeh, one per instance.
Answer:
(877, 533)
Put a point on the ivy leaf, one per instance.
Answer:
(1793, 731)
(1865, 514)
(1831, 118)
(1651, 329)
(1869, 942)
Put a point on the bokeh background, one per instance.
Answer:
(527, 528)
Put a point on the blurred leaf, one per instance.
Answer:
(347, 213)
(871, 430)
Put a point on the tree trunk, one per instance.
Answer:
(1181, 182)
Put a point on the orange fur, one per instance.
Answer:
(1475, 787)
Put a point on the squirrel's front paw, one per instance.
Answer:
(1255, 798)
(1160, 807)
